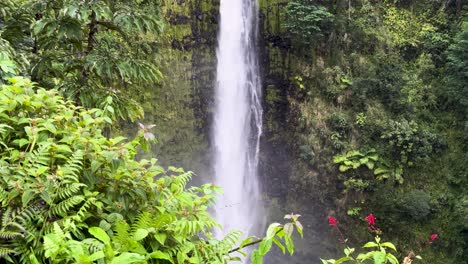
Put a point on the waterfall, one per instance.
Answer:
(238, 118)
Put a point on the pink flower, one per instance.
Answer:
(370, 219)
(332, 221)
(434, 236)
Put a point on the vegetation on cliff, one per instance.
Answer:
(365, 101)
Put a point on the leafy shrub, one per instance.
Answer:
(416, 204)
(457, 78)
(307, 154)
(409, 142)
(339, 122)
(306, 21)
(68, 193)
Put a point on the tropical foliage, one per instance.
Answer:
(89, 49)
(71, 195)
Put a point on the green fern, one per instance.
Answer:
(64, 207)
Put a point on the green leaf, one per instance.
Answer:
(299, 228)
(279, 245)
(380, 171)
(343, 259)
(140, 234)
(100, 234)
(246, 241)
(96, 256)
(344, 168)
(160, 237)
(339, 159)
(289, 244)
(49, 126)
(379, 257)
(127, 257)
(27, 196)
(288, 229)
(181, 257)
(393, 260)
(348, 251)
(272, 229)
(370, 245)
(40, 170)
(265, 246)
(256, 257)
(161, 255)
(388, 245)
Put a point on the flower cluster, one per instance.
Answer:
(332, 221)
(371, 224)
(371, 220)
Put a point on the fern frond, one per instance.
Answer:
(6, 251)
(122, 232)
(69, 190)
(74, 165)
(9, 235)
(81, 214)
(229, 241)
(187, 227)
(143, 221)
(6, 216)
(65, 206)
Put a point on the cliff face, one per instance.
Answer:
(180, 106)
(351, 84)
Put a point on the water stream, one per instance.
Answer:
(238, 118)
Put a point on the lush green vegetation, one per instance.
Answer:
(365, 103)
(71, 195)
(373, 96)
(69, 192)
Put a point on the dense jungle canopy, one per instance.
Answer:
(365, 131)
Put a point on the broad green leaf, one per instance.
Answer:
(348, 251)
(370, 244)
(161, 255)
(272, 230)
(96, 256)
(27, 196)
(256, 257)
(127, 257)
(388, 245)
(288, 229)
(100, 234)
(181, 257)
(344, 168)
(265, 247)
(289, 244)
(140, 234)
(379, 257)
(299, 228)
(393, 260)
(279, 244)
(160, 237)
(343, 259)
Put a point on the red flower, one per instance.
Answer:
(332, 221)
(433, 237)
(370, 219)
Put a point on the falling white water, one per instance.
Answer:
(238, 118)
